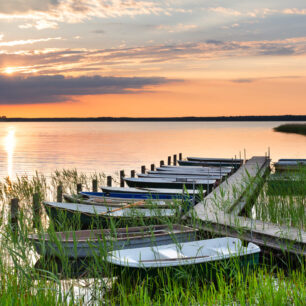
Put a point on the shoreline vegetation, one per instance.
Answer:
(292, 128)
(279, 279)
(157, 119)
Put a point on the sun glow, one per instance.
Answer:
(9, 145)
(10, 70)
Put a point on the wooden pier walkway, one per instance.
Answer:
(219, 212)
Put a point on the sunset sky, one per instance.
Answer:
(62, 58)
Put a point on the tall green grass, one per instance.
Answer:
(283, 200)
(24, 280)
(292, 128)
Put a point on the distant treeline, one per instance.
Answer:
(166, 119)
(292, 128)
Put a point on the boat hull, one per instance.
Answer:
(64, 217)
(167, 184)
(211, 164)
(99, 242)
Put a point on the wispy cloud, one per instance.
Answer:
(260, 12)
(44, 14)
(177, 28)
(118, 61)
(13, 43)
(54, 89)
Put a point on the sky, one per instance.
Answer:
(152, 58)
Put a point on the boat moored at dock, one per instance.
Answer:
(87, 243)
(185, 254)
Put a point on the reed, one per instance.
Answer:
(292, 128)
(27, 279)
(283, 202)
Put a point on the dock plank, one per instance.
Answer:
(219, 212)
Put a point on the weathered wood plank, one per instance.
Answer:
(220, 210)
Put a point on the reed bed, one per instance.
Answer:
(292, 128)
(26, 278)
(284, 201)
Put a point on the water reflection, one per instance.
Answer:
(9, 146)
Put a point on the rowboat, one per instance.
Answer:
(185, 254)
(87, 243)
(154, 193)
(218, 160)
(170, 183)
(196, 169)
(87, 215)
(290, 165)
(207, 163)
(116, 202)
(293, 159)
(178, 175)
(214, 175)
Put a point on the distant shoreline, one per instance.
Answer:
(160, 119)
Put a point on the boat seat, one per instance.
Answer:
(169, 253)
(221, 250)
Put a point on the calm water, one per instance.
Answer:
(109, 147)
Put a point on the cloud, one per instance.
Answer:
(13, 43)
(177, 28)
(57, 88)
(260, 12)
(44, 14)
(214, 42)
(243, 80)
(125, 61)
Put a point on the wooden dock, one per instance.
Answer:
(219, 212)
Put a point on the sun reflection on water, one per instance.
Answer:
(9, 146)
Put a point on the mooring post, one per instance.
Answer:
(14, 213)
(133, 173)
(169, 160)
(161, 163)
(121, 178)
(143, 169)
(59, 193)
(152, 167)
(180, 156)
(36, 210)
(109, 181)
(79, 188)
(174, 159)
(95, 185)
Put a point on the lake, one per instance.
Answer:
(112, 146)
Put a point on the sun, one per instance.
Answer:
(9, 70)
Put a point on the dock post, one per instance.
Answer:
(244, 151)
(59, 193)
(133, 173)
(143, 169)
(180, 156)
(36, 210)
(121, 178)
(79, 188)
(14, 214)
(161, 163)
(152, 167)
(169, 160)
(174, 159)
(109, 181)
(95, 185)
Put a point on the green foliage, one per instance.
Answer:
(292, 128)
(28, 279)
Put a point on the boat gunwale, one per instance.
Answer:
(176, 229)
